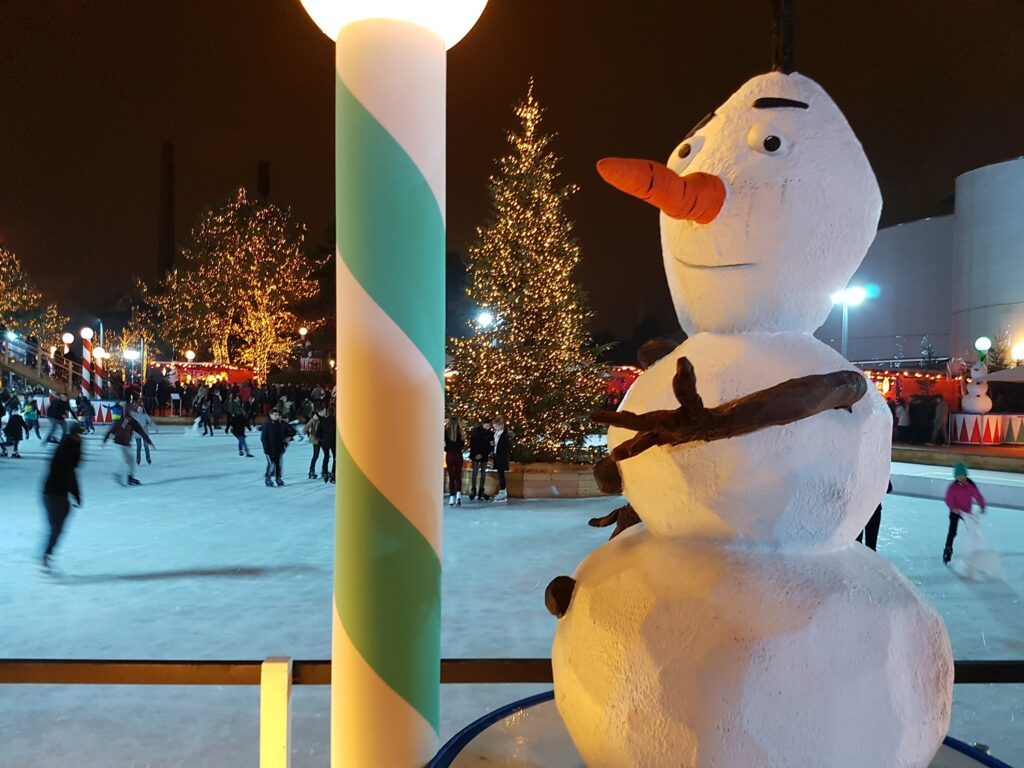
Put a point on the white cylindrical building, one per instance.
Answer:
(988, 254)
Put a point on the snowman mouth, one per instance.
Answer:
(738, 265)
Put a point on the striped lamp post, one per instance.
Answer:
(390, 186)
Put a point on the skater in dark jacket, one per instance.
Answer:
(327, 435)
(239, 425)
(61, 483)
(123, 431)
(275, 436)
(481, 445)
(454, 445)
(13, 432)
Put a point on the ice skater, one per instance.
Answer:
(327, 433)
(275, 437)
(86, 411)
(31, 415)
(57, 414)
(502, 456)
(312, 432)
(481, 444)
(61, 486)
(869, 536)
(123, 431)
(454, 444)
(960, 498)
(148, 427)
(13, 431)
(239, 426)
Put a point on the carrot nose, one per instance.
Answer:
(695, 197)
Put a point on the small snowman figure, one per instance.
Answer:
(977, 400)
(740, 626)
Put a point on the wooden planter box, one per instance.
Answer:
(541, 480)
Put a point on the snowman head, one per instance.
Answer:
(768, 207)
(979, 373)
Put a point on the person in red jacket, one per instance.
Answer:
(960, 498)
(123, 431)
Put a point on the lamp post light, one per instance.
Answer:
(190, 355)
(1017, 353)
(849, 297)
(390, 166)
(484, 319)
(132, 356)
(982, 344)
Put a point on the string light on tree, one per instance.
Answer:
(21, 304)
(536, 367)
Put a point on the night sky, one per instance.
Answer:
(90, 90)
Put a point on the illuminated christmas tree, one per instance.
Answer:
(21, 304)
(533, 362)
(239, 280)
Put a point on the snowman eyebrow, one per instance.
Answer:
(775, 102)
(704, 121)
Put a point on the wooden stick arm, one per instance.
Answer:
(784, 403)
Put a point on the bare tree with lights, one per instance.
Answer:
(534, 363)
(241, 276)
(21, 304)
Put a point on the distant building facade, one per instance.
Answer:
(948, 278)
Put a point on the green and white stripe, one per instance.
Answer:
(390, 278)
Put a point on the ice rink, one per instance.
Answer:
(202, 561)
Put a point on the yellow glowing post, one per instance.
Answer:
(390, 182)
(275, 712)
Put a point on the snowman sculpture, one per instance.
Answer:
(977, 400)
(741, 627)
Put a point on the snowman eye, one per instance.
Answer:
(769, 140)
(685, 153)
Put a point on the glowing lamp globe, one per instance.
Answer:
(450, 20)
(303, 331)
(99, 352)
(68, 338)
(86, 333)
(983, 344)
(190, 355)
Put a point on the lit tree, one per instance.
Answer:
(239, 278)
(21, 304)
(998, 357)
(534, 364)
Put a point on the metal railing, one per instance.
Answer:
(277, 675)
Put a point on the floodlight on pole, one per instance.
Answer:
(848, 297)
(390, 146)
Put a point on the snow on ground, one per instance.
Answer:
(202, 561)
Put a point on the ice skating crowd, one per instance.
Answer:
(276, 415)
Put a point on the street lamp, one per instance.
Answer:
(484, 319)
(86, 333)
(389, 184)
(132, 356)
(68, 338)
(190, 355)
(982, 344)
(849, 297)
(303, 331)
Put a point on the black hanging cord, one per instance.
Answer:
(782, 36)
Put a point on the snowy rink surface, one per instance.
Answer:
(204, 562)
